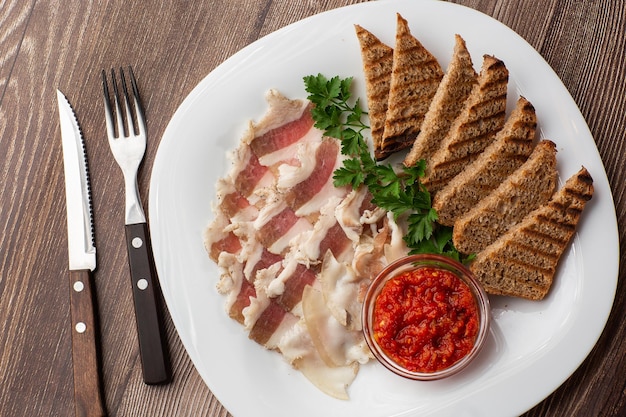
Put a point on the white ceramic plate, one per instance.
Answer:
(533, 346)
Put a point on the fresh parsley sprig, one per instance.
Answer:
(400, 190)
(333, 114)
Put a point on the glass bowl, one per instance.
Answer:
(419, 334)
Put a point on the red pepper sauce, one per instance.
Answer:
(426, 319)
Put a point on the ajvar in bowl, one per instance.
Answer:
(425, 317)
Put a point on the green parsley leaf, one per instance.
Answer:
(350, 174)
(398, 191)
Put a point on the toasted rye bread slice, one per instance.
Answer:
(530, 186)
(474, 129)
(377, 65)
(509, 150)
(522, 262)
(415, 76)
(454, 89)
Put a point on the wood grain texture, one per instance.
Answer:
(88, 399)
(172, 45)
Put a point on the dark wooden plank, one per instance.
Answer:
(35, 353)
(14, 17)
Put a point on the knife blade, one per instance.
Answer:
(88, 398)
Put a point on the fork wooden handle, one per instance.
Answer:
(85, 353)
(150, 330)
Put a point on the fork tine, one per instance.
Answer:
(134, 122)
(132, 127)
(121, 131)
(138, 106)
(107, 106)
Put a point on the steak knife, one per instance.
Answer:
(88, 398)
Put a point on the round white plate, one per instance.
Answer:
(533, 346)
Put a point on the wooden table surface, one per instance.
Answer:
(172, 45)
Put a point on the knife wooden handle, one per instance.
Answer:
(85, 341)
(150, 331)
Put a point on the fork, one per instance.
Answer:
(128, 145)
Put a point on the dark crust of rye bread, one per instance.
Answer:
(509, 150)
(529, 187)
(454, 88)
(523, 261)
(474, 129)
(377, 61)
(415, 76)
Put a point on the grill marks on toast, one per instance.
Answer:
(509, 150)
(415, 76)
(474, 129)
(523, 261)
(447, 103)
(377, 65)
(530, 186)
(487, 177)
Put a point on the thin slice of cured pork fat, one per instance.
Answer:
(308, 195)
(278, 217)
(350, 211)
(229, 243)
(259, 260)
(276, 231)
(327, 234)
(343, 292)
(285, 125)
(299, 350)
(233, 285)
(336, 345)
(336, 242)
(232, 203)
(306, 133)
(245, 294)
(218, 238)
(252, 174)
(273, 322)
(289, 284)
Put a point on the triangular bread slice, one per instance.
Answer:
(482, 117)
(415, 76)
(509, 150)
(529, 187)
(523, 261)
(377, 61)
(454, 88)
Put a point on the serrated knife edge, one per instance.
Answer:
(81, 241)
(88, 393)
